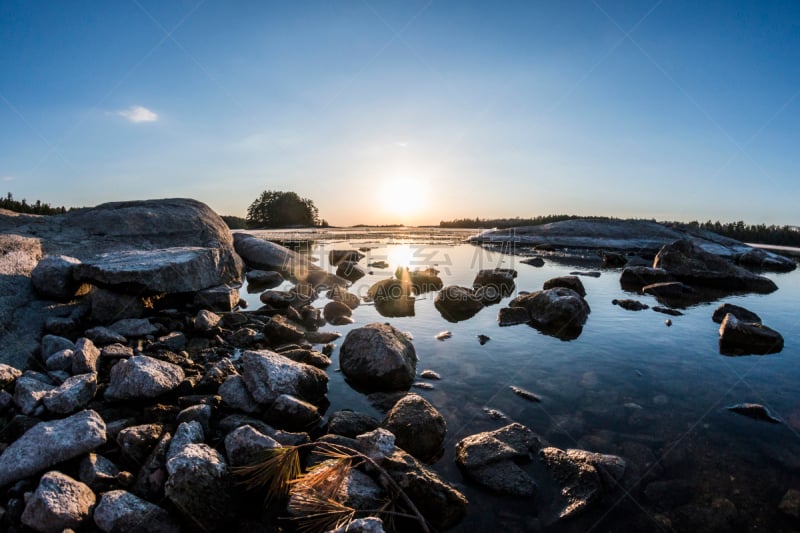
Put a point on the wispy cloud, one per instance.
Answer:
(7, 178)
(138, 114)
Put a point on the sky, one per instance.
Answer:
(409, 111)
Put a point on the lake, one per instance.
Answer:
(628, 385)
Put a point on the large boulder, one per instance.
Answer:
(560, 312)
(49, 443)
(53, 278)
(762, 259)
(737, 337)
(636, 277)
(491, 458)
(689, 263)
(378, 357)
(267, 375)
(58, 503)
(458, 303)
(494, 284)
(418, 427)
(569, 282)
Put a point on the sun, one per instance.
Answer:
(400, 256)
(403, 198)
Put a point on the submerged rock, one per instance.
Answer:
(630, 305)
(737, 337)
(378, 357)
(755, 411)
(457, 303)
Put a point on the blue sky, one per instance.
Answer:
(412, 111)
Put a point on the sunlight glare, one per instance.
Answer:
(400, 256)
(403, 197)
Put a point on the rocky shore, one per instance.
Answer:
(137, 394)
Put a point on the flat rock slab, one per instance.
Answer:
(167, 270)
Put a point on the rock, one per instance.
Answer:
(267, 375)
(439, 502)
(309, 357)
(790, 503)
(430, 374)
(120, 510)
(362, 525)
(234, 394)
(167, 270)
(457, 303)
(52, 344)
(200, 413)
(337, 313)
(350, 271)
(569, 282)
(443, 335)
(98, 472)
(322, 337)
(351, 424)
(527, 395)
(206, 320)
(58, 503)
(60, 361)
(137, 442)
(29, 393)
(418, 427)
(174, 341)
(142, 377)
(52, 279)
(265, 255)
(264, 279)
(389, 289)
(337, 257)
(667, 311)
(49, 443)
(340, 294)
(743, 338)
(588, 274)
(220, 298)
(107, 306)
(636, 277)
(483, 339)
(560, 312)
(689, 263)
(630, 305)
(152, 475)
(742, 314)
(579, 481)
(102, 336)
(245, 444)
(293, 414)
(85, 356)
(613, 260)
(74, 393)
(198, 485)
(533, 261)
(378, 357)
(765, 260)
(276, 299)
(279, 329)
(8, 374)
(755, 411)
(489, 459)
(494, 283)
(134, 327)
(511, 316)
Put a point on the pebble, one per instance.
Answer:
(443, 335)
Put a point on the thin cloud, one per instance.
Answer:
(7, 178)
(138, 114)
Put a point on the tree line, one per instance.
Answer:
(756, 233)
(503, 223)
(36, 208)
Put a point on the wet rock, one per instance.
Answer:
(49, 443)
(667, 311)
(58, 503)
(569, 282)
(52, 279)
(267, 375)
(528, 395)
(588, 274)
(559, 311)
(755, 411)
(422, 280)
(742, 338)
(293, 414)
(418, 427)
(337, 313)
(322, 337)
(630, 305)
(489, 459)
(103, 336)
(340, 294)
(245, 444)
(98, 472)
(279, 329)
(198, 485)
(494, 284)
(309, 357)
(613, 259)
(533, 261)
(742, 314)
(134, 327)
(388, 289)
(121, 510)
(264, 279)
(351, 424)
(671, 292)
(142, 377)
(430, 374)
(636, 277)
(7, 375)
(379, 357)
(397, 307)
(443, 335)
(483, 339)
(350, 271)
(458, 303)
(438, 501)
(336, 257)
(84, 357)
(512, 316)
(74, 393)
(689, 263)
(276, 299)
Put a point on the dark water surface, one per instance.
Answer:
(628, 385)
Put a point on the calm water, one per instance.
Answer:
(628, 385)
